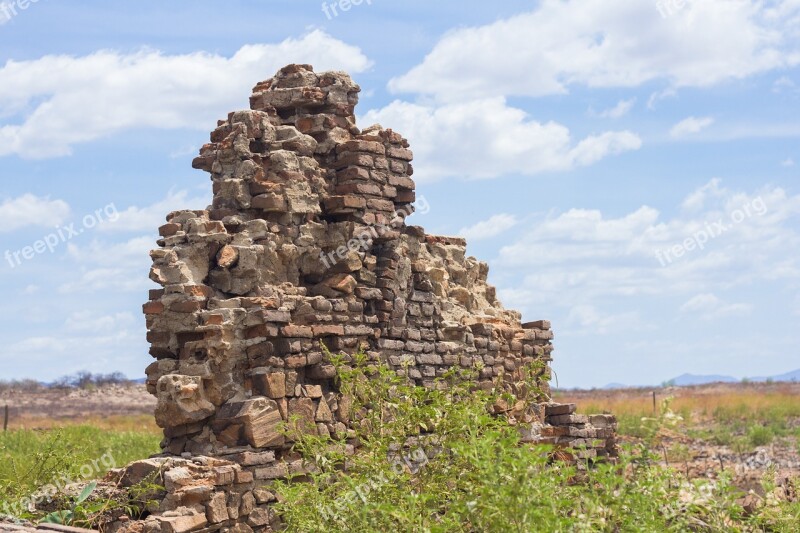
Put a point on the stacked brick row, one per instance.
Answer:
(589, 436)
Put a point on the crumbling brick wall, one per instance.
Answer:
(305, 245)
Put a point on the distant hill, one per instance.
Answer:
(789, 376)
(688, 380)
(612, 386)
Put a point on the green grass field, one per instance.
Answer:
(31, 460)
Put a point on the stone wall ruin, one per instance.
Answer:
(305, 245)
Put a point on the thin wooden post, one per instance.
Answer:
(655, 408)
(5, 419)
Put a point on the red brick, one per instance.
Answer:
(153, 308)
(328, 329)
(303, 332)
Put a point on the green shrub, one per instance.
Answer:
(465, 470)
(760, 435)
(722, 436)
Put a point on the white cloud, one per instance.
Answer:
(108, 349)
(487, 138)
(690, 125)
(788, 162)
(696, 200)
(110, 280)
(123, 266)
(657, 96)
(69, 100)
(608, 43)
(30, 210)
(152, 217)
(622, 108)
(588, 320)
(117, 267)
(87, 322)
(489, 228)
(583, 256)
(709, 307)
(784, 83)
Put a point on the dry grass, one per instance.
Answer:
(698, 404)
(117, 423)
(742, 416)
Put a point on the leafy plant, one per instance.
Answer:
(76, 512)
(760, 435)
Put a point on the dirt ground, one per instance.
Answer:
(46, 408)
(681, 445)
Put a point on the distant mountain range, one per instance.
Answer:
(688, 380)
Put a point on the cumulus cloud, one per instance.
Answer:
(608, 43)
(489, 228)
(103, 266)
(582, 256)
(60, 101)
(588, 320)
(690, 126)
(697, 199)
(657, 96)
(5, 13)
(88, 322)
(115, 345)
(31, 210)
(487, 138)
(622, 108)
(149, 218)
(709, 307)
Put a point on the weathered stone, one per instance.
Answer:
(185, 520)
(260, 418)
(217, 508)
(259, 517)
(181, 400)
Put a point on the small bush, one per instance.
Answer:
(722, 436)
(760, 436)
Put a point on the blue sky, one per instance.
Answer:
(629, 169)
